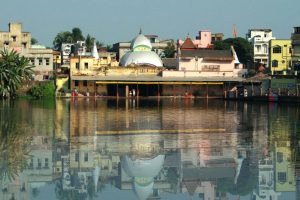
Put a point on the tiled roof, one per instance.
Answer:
(208, 54)
(188, 44)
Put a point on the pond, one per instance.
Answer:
(149, 149)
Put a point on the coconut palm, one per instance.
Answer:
(14, 70)
(14, 143)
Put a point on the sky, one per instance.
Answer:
(112, 21)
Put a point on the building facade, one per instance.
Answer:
(14, 37)
(207, 63)
(39, 56)
(260, 38)
(280, 56)
(296, 49)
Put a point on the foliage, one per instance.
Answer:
(77, 34)
(14, 142)
(242, 47)
(74, 36)
(169, 51)
(14, 70)
(34, 41)
(43, 90)
(251, 72)
(62, 37)
(89, 42)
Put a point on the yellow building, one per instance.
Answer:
(285, 180)
(280, 56)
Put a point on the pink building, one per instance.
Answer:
(206, 63)
(202, 41)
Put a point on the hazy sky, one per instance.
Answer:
(112, 21)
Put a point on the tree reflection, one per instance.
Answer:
(14, 143)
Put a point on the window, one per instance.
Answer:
(86, 65)
(24, 44)
(40, 61)
(281, 177)
(39, 163)
(211, 68)
(77, 65)
(279, 157)
(14, 38)
(76, 83)
(47, 61)
(76, 157)
(275, 63)
(86, 157)
(46, 163)
(84, 83)
(258, 48)
(277, 49)
(31, 61)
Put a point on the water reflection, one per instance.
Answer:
(149, 149)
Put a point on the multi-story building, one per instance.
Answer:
(15, 38)
(217, 37)
(280, 56)
(202, 41)
(296, 49)
(42, 60)
(40, 57)
(260, 40)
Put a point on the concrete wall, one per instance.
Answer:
(15, 38)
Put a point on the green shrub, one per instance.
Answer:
(43, 90)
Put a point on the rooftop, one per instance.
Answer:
(208, 54)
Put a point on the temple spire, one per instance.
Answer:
(95, 51)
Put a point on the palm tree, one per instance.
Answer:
(14, 142)
(14, 70)
(89, 42)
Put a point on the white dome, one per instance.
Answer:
(143, 189)
(140, 58)
(141, 40)
(142, 168)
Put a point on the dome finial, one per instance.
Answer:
(140, 31)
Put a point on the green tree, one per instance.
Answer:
(89, 42)
(34, 41)
(242, 47)
(43, 90)
(169, 51)
(77, 34)
(62, 37)
(74, 36)
(14, 142)
(14, 70)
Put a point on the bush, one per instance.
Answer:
(43, 90)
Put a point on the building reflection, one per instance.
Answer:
(248, 152)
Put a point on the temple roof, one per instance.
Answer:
(188, 44)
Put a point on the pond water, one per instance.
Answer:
(149, 149)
